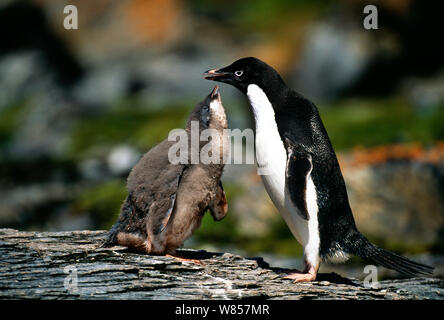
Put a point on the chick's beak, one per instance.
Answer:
(215, 94)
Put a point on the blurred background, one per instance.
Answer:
(79, 107)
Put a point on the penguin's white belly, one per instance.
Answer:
(271, 157)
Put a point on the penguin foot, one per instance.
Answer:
(301, 277)
(309, 274)
(196, 261)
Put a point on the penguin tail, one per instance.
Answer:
(111, 237)
(122, 221)
(359, 245)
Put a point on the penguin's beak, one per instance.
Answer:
(215, 75)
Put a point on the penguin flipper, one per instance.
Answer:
(162, 207)
(298, 169)
(219, 206)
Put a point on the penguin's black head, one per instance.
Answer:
(244, 72)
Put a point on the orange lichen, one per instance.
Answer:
(154, 20)
(376, 155)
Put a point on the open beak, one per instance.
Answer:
(215, 94)
(214, 74)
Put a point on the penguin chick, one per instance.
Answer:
(166, 202)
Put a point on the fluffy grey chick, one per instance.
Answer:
(166, 202)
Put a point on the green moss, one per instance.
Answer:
(102, 202)
(225, 231)
(374, 122)
(400, 247)
(10, 117)
(257, 15)
(262, 14)
(278, 240)
(136, 125)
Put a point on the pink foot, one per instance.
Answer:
(301, 277)
(309, 274)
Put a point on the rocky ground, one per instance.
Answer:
(71, 265)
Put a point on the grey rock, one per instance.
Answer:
(398, 201)
(22, 75)
(425, 94)
(50, 113)
(334, 56)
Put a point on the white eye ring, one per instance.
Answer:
(239, 73)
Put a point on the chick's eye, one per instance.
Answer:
(239, 73)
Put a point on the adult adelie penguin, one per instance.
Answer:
(301, 173)
(166, 201)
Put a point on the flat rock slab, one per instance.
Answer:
(72, 265)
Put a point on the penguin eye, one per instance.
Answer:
(205, 115)
(238, 73)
